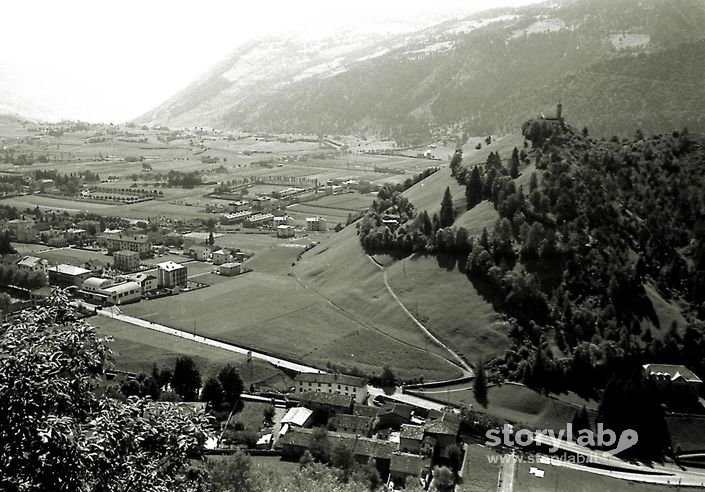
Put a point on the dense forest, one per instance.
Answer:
(569, 262)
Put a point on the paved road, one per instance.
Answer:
(404, 398)
(115, 313)
(505, 481)
(457, 360)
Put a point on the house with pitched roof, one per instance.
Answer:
(677, 385)
(340, 384)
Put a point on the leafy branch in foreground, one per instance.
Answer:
(56, 433)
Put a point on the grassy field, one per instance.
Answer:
(480, 475)
(137, 349)
(449, 305)
(339, 270)
(28, 249)
(273, 313)
(560, 478)
(519, 404)
(72, 256)
(482, 215)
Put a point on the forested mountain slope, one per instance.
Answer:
(596, 260)
(615, 65)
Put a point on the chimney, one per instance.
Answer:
(559, 111)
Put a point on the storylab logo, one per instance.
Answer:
(604, 439)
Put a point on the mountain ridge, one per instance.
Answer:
(485, 73)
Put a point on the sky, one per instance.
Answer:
(112, 60)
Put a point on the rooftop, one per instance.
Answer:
(352, 422)
(414, 432)
(69, 270)
(409, 464)
(170, 266)
(30, 261)
(446, 425)
(297, 416)
(672, 371)
(331, 378)
(332, 399)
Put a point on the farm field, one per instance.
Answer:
(274, 314)
(137, 349)
(518, 404)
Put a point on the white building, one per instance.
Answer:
(332, 383)
(108, 291)
(170, 275)
(316, 224)
(33, 264)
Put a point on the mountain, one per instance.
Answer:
(615, 66)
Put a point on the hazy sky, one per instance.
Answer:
(111, 60)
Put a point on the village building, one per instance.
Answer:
(147, 281)
(411, 439)
(221, 257)
(126, 261)
(340, 384)
(235, 217)
(394, 415)
(171, 275)
(325, 405)
(109, 291)
(259, 219)
(67, 275)
(363, 449)
(33, 264)
(352, 424)
(403, 468)
(297, 417)
(119, 241)
(441, 433)
(230, 269)
(239, 206)
(200, 253)
(676, 384)
(286, 231)
(280, 220)
(74, 235)
(316, 224)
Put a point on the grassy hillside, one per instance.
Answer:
(450, 306)
(340, 272)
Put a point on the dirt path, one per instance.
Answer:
(457, 360)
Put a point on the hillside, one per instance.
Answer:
(612, 64)
(339, 271)
(578, 256)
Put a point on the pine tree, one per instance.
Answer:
(533, 182)
(456, 162)
(447, 214)
(514, 164)
(473, 190)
